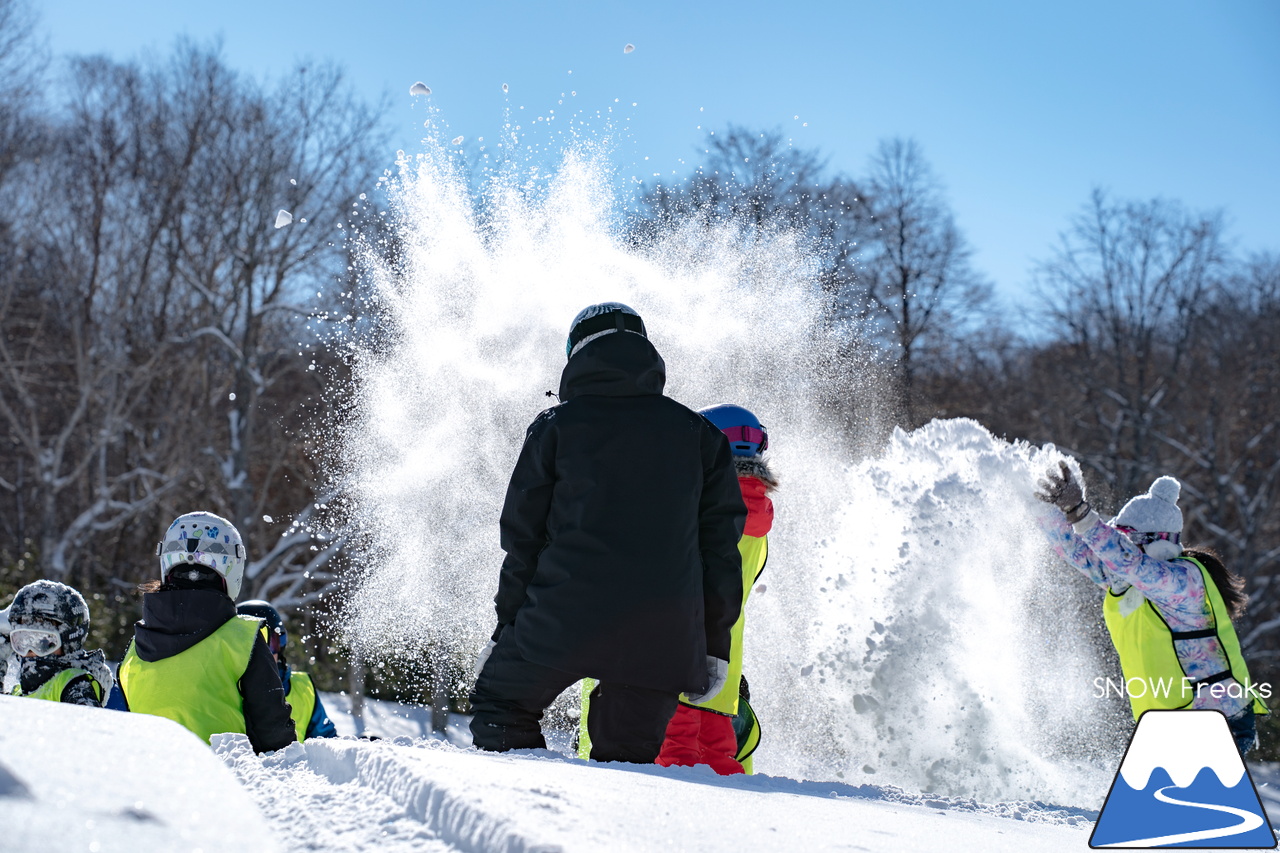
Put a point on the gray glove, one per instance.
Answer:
(718, 673)
(484, 657)
(1065, 493)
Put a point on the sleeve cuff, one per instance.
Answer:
(1083, 525)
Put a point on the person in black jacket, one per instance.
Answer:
(620, 528)
(192, 658)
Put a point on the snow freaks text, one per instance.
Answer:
(1162, 688)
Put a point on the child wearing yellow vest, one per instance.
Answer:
(193, 659)
(309, 715)
(1168, 610)
(47, 626)
(702, 730)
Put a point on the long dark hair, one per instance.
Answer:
(1229, 584)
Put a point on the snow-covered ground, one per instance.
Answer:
(87, 779)
(431, 795)
(82, 779)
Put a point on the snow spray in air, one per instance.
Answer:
(890, 640)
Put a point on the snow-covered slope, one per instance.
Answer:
(74, 778)
(84, 779)
(347, 795)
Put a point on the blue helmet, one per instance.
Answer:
(747, 436)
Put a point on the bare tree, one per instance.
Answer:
(1123, 293)
(1223, 436)
(22, 62)
(914, 267)
(155, 346)
(759, 182)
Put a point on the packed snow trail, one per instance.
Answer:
(347, 795)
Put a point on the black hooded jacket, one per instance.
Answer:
(174, 620)
(621, 528)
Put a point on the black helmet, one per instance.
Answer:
(55, 605)
(602, 319)
(275, 622)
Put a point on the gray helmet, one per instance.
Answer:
(56, 605)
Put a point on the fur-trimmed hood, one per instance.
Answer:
(756, 466)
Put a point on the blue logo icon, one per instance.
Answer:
(1182, 784)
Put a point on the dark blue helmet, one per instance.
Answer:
(277, 636)
(747, 436)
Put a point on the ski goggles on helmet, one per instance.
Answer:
(751, 434)
(37, 641)
(1144, 539)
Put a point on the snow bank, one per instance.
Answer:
(346, 795)
(74, 778)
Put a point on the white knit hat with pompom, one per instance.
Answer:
(1156, 511)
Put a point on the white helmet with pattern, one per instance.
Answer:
(204, 539)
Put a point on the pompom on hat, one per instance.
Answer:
(1155, 512)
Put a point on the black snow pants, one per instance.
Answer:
(626, 723)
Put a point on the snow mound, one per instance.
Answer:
(90, 779)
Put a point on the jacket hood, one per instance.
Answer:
(174, 620)
(614, 366)
(755, 466)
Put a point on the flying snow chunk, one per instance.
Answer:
(268, 519)
(505, 88)
(457, 140)
(630, 47)
(283, 218)
(419, 88)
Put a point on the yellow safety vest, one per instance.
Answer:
(1154, 676)
(198, 688)
(52, 689)
(302, 698)
(755, 553)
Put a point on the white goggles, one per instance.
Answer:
(34, 640)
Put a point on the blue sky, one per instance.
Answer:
(1020, 107)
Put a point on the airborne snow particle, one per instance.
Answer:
(630, 47)
(419, 88)
(283, 218)
(504, 88)
(457, 140)
(268, 519)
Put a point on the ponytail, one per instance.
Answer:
(1230, 585)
